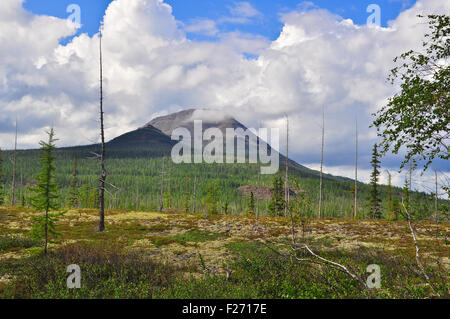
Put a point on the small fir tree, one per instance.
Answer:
(45, 197)
(375, 200)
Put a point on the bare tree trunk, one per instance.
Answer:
(13, 196)
(195, 195)
(286, 189)
(321, 164)
(101, 226)
(416, 245)
(169, 190)
(259, 190)
(355, 212)
(161, 200)
(46, 232)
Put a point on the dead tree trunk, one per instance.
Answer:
(321, 165)
(161, 200)
(169, 189)
(259, 189)
(101, 226)
(419, 262)
(195, 195)
(13, 186)
(355, 212)
(286, 189)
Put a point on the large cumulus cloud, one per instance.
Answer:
(151, 68)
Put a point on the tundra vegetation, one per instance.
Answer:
(304, 235)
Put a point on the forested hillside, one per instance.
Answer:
(135, 182)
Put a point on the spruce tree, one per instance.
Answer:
(2, 181)
(73, 193)
(225, 207)
(212, 197)
(396, 208)
(251, 204)
(94, 198)
(374, 192)
(45, 199)
(277, 203)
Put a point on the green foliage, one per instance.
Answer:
(212, 197)
(187, 195)
(396, 208)
(94, 198)
(225, 207)
(251, 204)
(168, 197)
(2, 181)
(375, 200)
(406, 196)
(301, 204)
(144, 174)
(418, 116)
(10, 242)
(277, 203)
(197, 236)
(74, 192)
(45, 197)
(45, 225)
(106, 273)
(389, 198)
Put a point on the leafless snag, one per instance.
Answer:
(321, 164)
(101, 226)
(161, 201)
(13, 185)
(355, 212)
(419, 262)
(195, 195)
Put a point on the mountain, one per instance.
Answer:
(167, 124)
(153, 140)
(146, 136)
(214, 119)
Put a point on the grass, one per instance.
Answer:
(9, 242)
(191, 236)
(151, 255)
(108, 272)
(198, 236)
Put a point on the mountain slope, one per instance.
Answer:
(210, 119)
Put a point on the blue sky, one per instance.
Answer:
(267, 23)
(315, 61)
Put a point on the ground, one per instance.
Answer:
(207, 244)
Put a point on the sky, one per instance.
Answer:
(193, 13)
(256, 60)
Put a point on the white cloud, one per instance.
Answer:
(202, 26)
(244, 9)
(151, 68)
